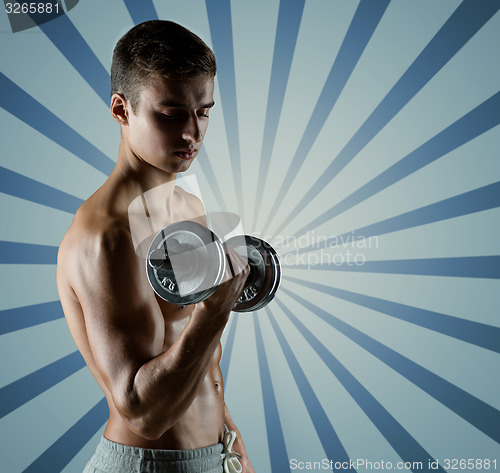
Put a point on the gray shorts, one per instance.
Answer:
(112, 457)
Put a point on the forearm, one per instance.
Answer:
(163, 388)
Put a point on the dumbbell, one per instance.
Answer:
(186, 263)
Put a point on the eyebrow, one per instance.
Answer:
(169, 103)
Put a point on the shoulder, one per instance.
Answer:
(93, 239)
(95, 228)
(191, 203)
(188, 197)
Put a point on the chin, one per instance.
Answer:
(181, 167)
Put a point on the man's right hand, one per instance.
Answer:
(228, 292)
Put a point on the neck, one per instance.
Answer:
(134, 169)
(150, 193)
(149, 190)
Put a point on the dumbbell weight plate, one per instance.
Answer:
(265, 272)
(186, 263)
(270, 293)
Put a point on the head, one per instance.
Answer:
(157, 48)
(162, 80)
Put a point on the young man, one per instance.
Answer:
(157, 363)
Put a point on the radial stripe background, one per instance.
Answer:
(362, 138)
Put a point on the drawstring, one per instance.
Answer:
(230, 460)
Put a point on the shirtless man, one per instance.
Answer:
(157, 363)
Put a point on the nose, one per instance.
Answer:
(192, 132)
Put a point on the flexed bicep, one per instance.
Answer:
(123, 323)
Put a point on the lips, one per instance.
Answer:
(186, 154)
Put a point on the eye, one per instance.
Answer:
(169, 116)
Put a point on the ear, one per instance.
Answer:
(119, 110)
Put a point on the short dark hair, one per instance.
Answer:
(157, 47)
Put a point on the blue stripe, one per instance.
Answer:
(326, 433)
(64, 449)
(365, 21)
(463, 267)
(276, 441)
(398, 437)
(32, 385)
(482, 335)
(68, 40)
(22, 317)
(23, 106)
(287, 30)
(228, 350)
(24, 253)
(478, 413)
(26, 188)
(141, 11)
(478, 121)
(219, 19)
(207, 169)
(462, 25)
(477, 200)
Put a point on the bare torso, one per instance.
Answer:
(202, 423)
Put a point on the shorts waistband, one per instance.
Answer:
(111, 456)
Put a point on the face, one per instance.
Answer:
(169, 124)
